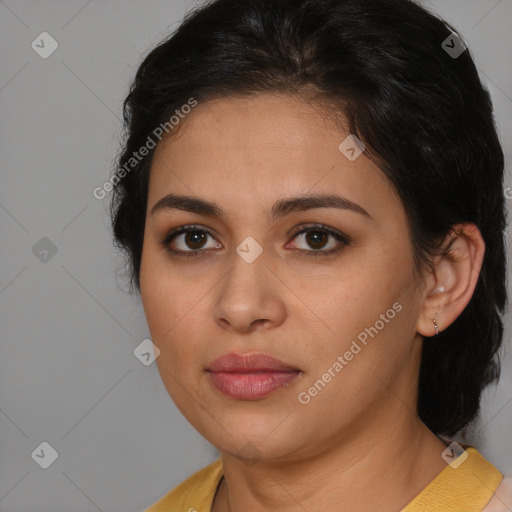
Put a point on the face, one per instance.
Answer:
(282, 325)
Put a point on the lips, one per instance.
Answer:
(250, 376)
(248, 363)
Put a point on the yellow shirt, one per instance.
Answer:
(468, 488)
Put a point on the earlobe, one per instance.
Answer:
(450, 285)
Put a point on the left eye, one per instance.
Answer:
(318, 238)
(190, 241)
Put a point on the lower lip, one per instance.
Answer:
(251, 386)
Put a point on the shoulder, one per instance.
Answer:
(502, 498)
(467, 483)
(195, 494)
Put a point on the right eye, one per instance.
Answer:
(190, 240)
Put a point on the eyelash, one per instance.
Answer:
(337, 235)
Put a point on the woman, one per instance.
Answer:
(310, 198)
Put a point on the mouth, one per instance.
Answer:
(250, 376)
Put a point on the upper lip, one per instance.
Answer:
(247, 363)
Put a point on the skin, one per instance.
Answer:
(358, 443)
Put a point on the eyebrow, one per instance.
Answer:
(280, 208)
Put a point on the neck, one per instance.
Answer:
(358, 475)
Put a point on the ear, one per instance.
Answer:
(450, 286)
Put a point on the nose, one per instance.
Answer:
(251, 297)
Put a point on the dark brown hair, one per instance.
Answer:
(422, 113)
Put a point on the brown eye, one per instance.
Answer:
(316, 239)
(320, 240)
(195, 239)
(188, 241)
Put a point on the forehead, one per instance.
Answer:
(274, 122)
(246, 150)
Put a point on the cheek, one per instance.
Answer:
(366, 288)
(162, 299)
(164, 296)
(173, 306)
(372, 303)
(166, 307)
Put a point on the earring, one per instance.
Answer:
(435, 326)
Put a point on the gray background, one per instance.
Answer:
(68, 375)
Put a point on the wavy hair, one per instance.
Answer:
(422, 113)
